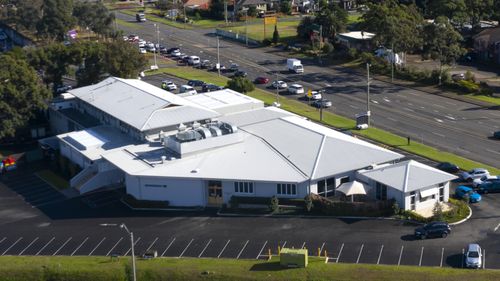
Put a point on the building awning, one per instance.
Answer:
(428, 192)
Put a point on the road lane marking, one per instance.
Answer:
(206, 246)
(64, 244)
(79, 246)
(492, 151)
(171, 242)
(261, 249)
(244, 246)
(496, 228)
(438, 134)
(380, 254)
(223, 249)
(135, 243)
(400, 254)
(421, 254)
(438, 120)
(450, 117)
(91, 252)
(156, 239)
(39, 251)
(353, 106)
(283, 246)
(321, 249)
(409, 109)
(17, 241)
(109, 252)
(374, 101)
(392, 119)
(28, 246)
(360, 251)
(303, 245)
(189, 244)
(340, 252)
(442, 255)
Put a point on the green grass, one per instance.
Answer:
(286, 29)
(127, 23)
(334, 120)
(490, 99)
(53, 179)
(354, 18)
(132, 12)
(102, 268)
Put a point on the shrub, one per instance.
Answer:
(395, 208)
(275, 204)
(485, 89)
(266, 42)
(469, 76)
(437, 212)
(468, 86)
(252, 11)
(327, 48)
(308, 203)
(276, 35)
(353, 53)
(240, 84)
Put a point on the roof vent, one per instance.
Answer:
(187, 136)
(196, 125)
(181, 127)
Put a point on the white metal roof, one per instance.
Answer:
(408, 175)
(358, 35)
(225, 101)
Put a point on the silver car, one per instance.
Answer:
(473, 256)
(483, 179)
(474, 174)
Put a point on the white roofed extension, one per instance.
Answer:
(225, 101)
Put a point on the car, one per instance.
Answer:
(278, 84)
(184, 58)
(322, 103)
(133, 38)
(195, 83)
(462, 192)
(233, 67)
(484, 179)
(296, 89)
(496, 135)
(142, 50)
(171, 50)
(150, 48)
(168, 85)
(458, 77)
(476, 173)
(240, 73)
(492, 186)
(315, 95)
(473, 256)
(205, 64)
(150, 254)
(140, 17)
(193, 60)
(433, 229)
(448, 167)
(211, 87)
(63, 89)
(261, 80)
(162, 49)
(186, 89)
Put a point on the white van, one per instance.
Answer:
(296, 89)
(194, 60)
(186, 89)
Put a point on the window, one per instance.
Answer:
(156, 185)
(243, 187)
(286, 189)
(381, 191)
(441, 192)
(321, 187)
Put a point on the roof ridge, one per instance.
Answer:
(407, 175)
(318, 156)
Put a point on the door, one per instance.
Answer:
(215, 193)
(412, 200)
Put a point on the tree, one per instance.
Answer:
(496, 10)
(56, 19)
(28, 14)
(252, 11)
(479, 10)
(304, 28)
(276, 35)
(286, 7)
(456, 10)
(22, 96)
(240, 84)
(94, 16)
(332, 19)
(123, 60)
(216, 9)
(275, 204)
(437, 212)
(309, 202)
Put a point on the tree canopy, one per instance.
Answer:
(57, 18)
(442, 41)
(95, 16)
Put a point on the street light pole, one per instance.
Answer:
(158, 45)
(393, 61)
(218, 57)
(368, 113)
(277, 89)
(123, 226)
(246, 28)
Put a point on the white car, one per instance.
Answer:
(279, 84)
(194, 60)
(142, 50)
(186, 89)
(315, 95)
(483, 179)
(168, 85)
(296, 89)
(474, 174)
(142, 43)
(473, 256)
(176, 53)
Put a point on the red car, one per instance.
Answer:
(261, 80)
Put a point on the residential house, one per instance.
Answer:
(487, 45)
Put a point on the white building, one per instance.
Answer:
(200, 150)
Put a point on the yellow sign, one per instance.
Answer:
(309, 93)
(270, 20)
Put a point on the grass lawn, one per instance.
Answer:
(334, 120)
(127, 23)
(102, 268)
(286, 29)
(490, 99)
(150, 17)
(354, 18)
(53, 179)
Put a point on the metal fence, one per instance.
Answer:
(236, 36)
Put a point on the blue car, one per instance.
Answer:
(463, 191)
(492, 186)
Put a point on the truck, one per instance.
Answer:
(294, 65)
(140, 17)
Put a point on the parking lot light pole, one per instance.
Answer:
(158, 43)
(368, 113)
(218, 57)
(123, 226)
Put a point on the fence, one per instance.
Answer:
(236, 36)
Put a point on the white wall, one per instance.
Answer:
(263, 189)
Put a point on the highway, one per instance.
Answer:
(447, 124)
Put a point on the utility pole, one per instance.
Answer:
(225, 10)
(246, 27)
(218, 57)
(368, 113)
(277, 90)
(185, 16)
(393, 61)
(158, 46)
(321, 106)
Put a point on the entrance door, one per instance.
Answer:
(215, 193)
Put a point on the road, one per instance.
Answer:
(444, 123)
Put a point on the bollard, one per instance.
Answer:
(269, 253)
(319, 252)
(279, 250)
(325, 254)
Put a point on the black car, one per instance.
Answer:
(433, 229)
(448, 167)
(171, 50)
(240, 73)
(63, 89)
(163, 50)
(196, 83)
(496, 135)
(211, 87)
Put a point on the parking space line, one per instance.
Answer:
(321, 249)
(400, 254)
(223, 248)
(91, 252)
(135, 243)
(3, 239)
(17, 241)
(303, 245)
(79, 246)
(156, 239)
(55, 253)
(114, 246)
(244, 246)
(261, 249)
(421, 254)
(34, 240)
(171, 242)
(45, 246)
(497, 227)
(284, 244)
(340, 252)
(442, 255)
(185, 249)
(380, 254)
(360, 251)
(206, 246)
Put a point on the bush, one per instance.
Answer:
(240, 84)
(308, 203)
(437, 212)
(276, 35)
(395, 208)
(468, 86)
(275, 204)
(469, 76)
(327, 48)
(252, 11)
(266, 42)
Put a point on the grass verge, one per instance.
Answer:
(286, 29)
(53, 179)
(102, 268)
(490, 99)
(154, 18)
(334, 120)
(127, 23)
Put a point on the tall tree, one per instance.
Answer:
(57, 18)
(333, 19)
(479, 10)
(21, 94)
(123, 60)
(304, 27)
(456, 10)
(94, 16)
(216, 9)
(28, 14)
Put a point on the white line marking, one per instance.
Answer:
(64, 244)
(492, 151)
(392, 119)
(180, 256)
(171, 242)
(409, 109)
(135, 243)
(442, 255)
(438, 120)
(353, 106)
(283, 245)
(202, 251)
(303, 245)
(12, 245)
(380, 254)
(91, 252)
(451, 103)
(374, 101)
(360, 251)
(450, 117)
(438, 134)
(3, 240)
(114, 246)
(223, 249)
(261, 249)
(79, 246)
(156, 239)
(386, 100)
(39, 251)
(34, 240)
(340, 252)
(321, 249)
(496, 228)
(421, 254)
(244, 246)
(400, 254)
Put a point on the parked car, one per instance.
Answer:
(492, 186)
(233, 67)
(63, 89)
(150, 48)
(473, 256)
(279, 84)
(184, 58)
(171, 50)
(142, 50)
(240, 73)
(296, 89)
(464, 191)
(193, 60)
(133, 38)
(448, 167)
(195, 83)
(315, 95)
(496, 135)
(261, 80)
(142, 43)
(211, 87)
(186, 89)
(484, 179)
(150, 254)
(474, 174)
(205, 64)
(214, 68)
(176, 54)
(433, 229)
(162, 49)
(322, 103)
(168, 85)
(458, 77)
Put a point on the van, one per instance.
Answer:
(140, 17)
(186, 89)
(193, 60)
